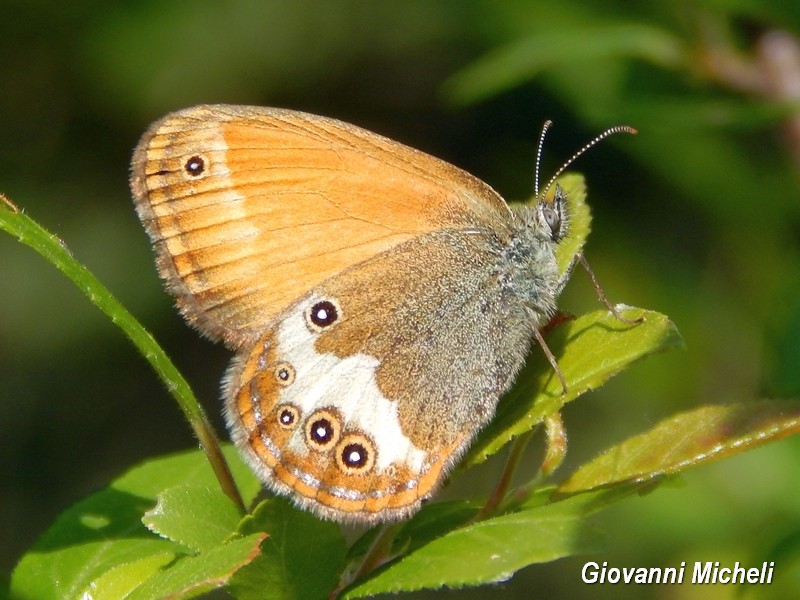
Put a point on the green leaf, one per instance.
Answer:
(493, 550)
(688, 439)
(120, 581)
(95, 535)
(589, 350)
(194, 575)
(196, 516)
(105, 531)
(579, 219)
(302, 559)
(433, 521)
(186, 468)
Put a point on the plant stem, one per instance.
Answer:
(500, 491)
(55, 251)
(378, 553)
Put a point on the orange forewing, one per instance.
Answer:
(285, 200)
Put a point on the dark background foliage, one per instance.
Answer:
(697, 217)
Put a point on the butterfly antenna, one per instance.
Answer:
(545, 127)
(599, 138)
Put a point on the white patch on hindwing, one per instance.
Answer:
(347, 384)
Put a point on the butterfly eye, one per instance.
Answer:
(355, 454)
(195, 166)
(552, 219)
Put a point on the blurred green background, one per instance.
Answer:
(697, 217)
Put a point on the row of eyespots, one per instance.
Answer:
(353, 451)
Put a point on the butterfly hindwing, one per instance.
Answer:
(354, 401)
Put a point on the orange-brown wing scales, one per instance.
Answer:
(416, 191)
(235, 291)
(283, 201)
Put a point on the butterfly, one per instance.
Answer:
(379, 300)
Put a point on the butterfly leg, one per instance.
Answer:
(579, 257)
(551, 359)
(601, 295)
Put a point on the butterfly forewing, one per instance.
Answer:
(250, 208)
